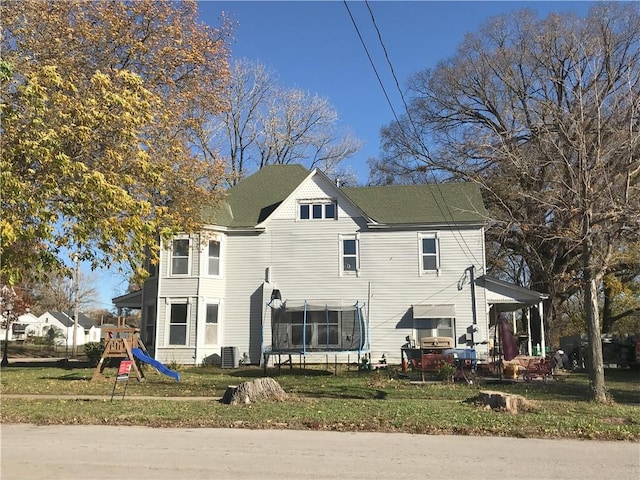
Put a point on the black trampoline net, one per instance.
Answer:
(317, 328)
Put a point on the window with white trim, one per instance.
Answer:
(211, 324)
(429, 253)
(213, 258)
(317, 210)
(433, 327)
(349, 254)
(178, 323)
(150, 327)
(180, 256)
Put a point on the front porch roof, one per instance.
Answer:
(507, 297)
(129, 300)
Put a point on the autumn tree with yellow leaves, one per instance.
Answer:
(101, 103)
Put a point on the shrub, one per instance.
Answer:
(445, 371)
(93, 351)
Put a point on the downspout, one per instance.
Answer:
(304, 330)
(472, 279)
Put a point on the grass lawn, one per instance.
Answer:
(349, 401)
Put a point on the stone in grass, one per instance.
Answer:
(256, 390)
(503, 401)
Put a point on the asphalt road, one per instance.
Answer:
(32, 452)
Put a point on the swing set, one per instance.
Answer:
(121, 340)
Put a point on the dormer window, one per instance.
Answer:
(317, 210)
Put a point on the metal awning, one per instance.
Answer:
(434, 311)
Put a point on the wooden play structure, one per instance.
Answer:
(120, 340)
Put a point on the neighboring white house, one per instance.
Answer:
(85, 333)
(24, 326)
(291, 263)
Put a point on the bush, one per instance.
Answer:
(93, 351)
(445, 371)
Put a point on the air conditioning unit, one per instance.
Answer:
(229, 357)
(436, 342)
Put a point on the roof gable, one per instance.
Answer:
(253, 199)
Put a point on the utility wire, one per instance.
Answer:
(364, 45)
(425, 151)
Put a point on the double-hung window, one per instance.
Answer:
(429, 253)
(211, 324)
(349, 254)
(213, 258)
(178, 323)
(180, 257)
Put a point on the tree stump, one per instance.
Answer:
(504, 401)
(256, 390)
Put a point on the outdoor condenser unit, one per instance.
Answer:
(229, 357)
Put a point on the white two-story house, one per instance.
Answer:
(291, 263)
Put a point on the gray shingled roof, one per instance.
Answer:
(67, 319)
(420, 204)
(253, 199)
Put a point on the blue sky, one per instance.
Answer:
(313, 46)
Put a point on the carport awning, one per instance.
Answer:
(434, 311)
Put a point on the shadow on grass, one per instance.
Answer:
(68, 377)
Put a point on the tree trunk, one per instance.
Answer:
(594, 361)
(607, 314)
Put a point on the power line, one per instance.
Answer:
(425, 151)
(364, 45)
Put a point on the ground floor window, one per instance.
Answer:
(178, 324)
(317, 328)
(150, 327)
(211, 324)
(433, 327)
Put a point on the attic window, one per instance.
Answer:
(317, 210)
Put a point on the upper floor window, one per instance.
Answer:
(350, 254)
(180, 257)
(213, 258)
(317, 210)
(429, 253)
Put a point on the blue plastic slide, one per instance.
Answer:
(138, 353)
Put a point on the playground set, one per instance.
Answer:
(124, 342)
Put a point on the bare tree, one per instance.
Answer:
(267, 124)
(545, 116)
(57, 292)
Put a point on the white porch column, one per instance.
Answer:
(529, 349)
(542, 339)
